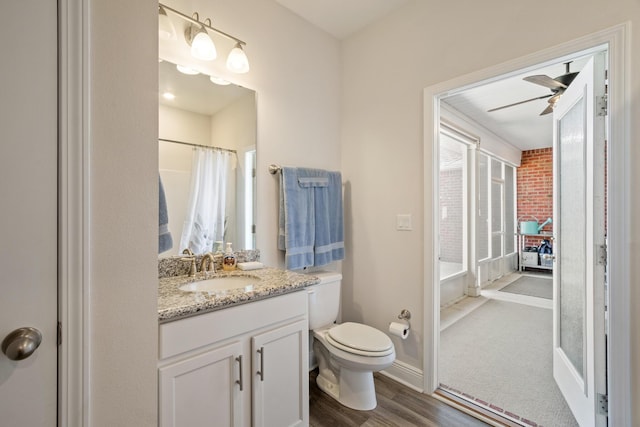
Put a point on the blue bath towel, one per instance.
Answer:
(165, 242)
(310, 217)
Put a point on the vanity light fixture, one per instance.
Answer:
(166, 30)
(202, 46)
(219, 81)
(187, 70)
(169, 96)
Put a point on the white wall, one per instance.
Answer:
(295, 70)
(386, 67)
(234, 127)
(181, 125)
(123, 219)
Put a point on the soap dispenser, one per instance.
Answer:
(229, 260)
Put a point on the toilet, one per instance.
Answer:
(347, 354)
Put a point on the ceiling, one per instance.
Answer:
(195, 93)
(521, 125)
(341, 18)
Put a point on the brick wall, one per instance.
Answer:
(535, 188)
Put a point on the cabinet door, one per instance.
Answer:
(281, 376)
(202, 390)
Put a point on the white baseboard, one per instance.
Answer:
(405, 374)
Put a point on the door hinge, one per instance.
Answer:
(59, 333)
(253, 229)
(603, 404)
(601, 106)
(602, 254)
(253, 173)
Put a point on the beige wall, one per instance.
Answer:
(295, 70)
(386, 67)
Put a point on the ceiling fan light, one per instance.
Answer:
(166, 30)
(237, 60)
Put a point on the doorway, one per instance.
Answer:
(496, 333)
(432, 113)
(541, 388)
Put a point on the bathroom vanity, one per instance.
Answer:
(236, 356)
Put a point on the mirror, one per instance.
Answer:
(207, 157)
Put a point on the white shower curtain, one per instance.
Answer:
(205, 220)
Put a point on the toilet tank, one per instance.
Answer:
(324, 299)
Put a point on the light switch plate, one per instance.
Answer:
(403, 222)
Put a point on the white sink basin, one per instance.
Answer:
(220, 284)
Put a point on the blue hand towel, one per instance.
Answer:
(310, 217)
(165, 242)
(329, 235)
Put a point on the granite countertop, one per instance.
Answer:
(175, 304)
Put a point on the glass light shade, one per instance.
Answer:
(237, 60)
(202, 47)
(166, 30)
(186, 70)
(219, 80)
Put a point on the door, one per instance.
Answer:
(579, 206)
(203, 390)
(28, 218)
(281, 376)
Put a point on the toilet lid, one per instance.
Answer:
(360, 337)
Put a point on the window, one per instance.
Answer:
(453, 205)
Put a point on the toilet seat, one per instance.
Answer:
(360, 339)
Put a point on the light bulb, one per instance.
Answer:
(237, 60)
(202, 46)
(169, 96)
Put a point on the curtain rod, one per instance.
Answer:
(198, 145)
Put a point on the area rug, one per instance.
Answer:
(501, 353)
(540, 287)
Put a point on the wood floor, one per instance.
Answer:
(397, 406)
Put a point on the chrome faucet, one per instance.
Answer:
(207, 264)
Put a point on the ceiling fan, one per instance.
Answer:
(557, 86)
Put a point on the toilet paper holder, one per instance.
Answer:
(405, 315)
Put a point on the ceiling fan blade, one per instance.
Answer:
(546, 81)
(547, 110)
(518, 103)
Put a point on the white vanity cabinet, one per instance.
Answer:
(240, 366)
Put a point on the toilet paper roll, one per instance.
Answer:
(399, 329)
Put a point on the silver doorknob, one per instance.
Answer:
(21, 343)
